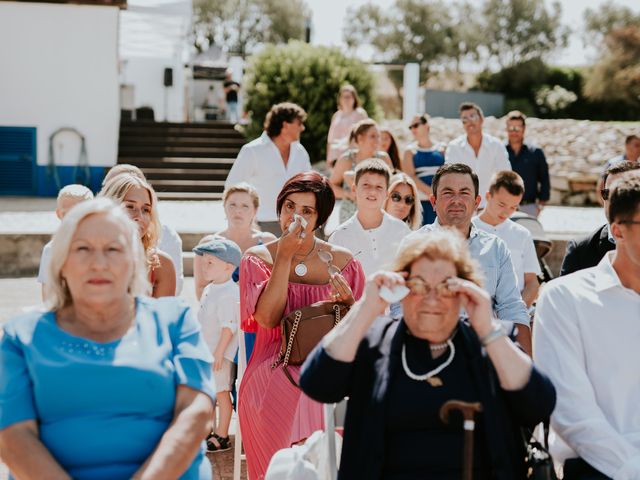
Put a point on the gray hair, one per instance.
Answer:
(56, 291)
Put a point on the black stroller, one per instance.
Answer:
(540, 240)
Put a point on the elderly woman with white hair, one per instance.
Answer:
(401, 375)
(108, 383)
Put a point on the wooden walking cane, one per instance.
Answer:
(468, 413)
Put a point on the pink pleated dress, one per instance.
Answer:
(273, 413)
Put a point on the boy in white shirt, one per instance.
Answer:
(219, 315)
(68, 197)
(372, 235)
(505, 192)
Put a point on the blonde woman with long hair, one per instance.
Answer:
(402, 200)
(139, 200)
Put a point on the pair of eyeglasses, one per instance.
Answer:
(413, 126)
(472, 117)
(327, 258)
(419, 287)
(396, 197)
(514, 128)
(604, 192)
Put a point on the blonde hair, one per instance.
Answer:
(56, 290)
(120, 169)
(414, 219)
(75, 191)
(360, 128)
(117, 189)
(440, 244)
(243, 187)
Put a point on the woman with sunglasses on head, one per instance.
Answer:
(365, 136)
(421, 160)
(400, 375)
(276, 278)
(388, 144)
(402, 200)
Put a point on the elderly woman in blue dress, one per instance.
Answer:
(399, 375)
(107, 384)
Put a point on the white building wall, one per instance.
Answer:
(59, 68)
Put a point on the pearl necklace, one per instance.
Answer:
(431, 375)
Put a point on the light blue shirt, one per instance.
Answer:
(102, 407)
(499, 275)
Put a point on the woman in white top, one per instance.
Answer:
(349, 113)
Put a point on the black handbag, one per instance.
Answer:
(538, 461)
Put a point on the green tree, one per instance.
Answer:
(240, 25)
(309, 76)
(616, 76)
(610, 16)
(515, 31)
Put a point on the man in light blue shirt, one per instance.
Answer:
(455, 199)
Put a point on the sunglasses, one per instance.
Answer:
(605, 193)
(396, 197)
(514, 129)
(421, 288)
(327, 258)
(472, 117)
(413, 126)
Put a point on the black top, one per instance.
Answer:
(417, 440)
(586, 251)
(232, 93)
(531, 164)
(368, 379)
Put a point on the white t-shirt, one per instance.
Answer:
(260, 164)
(492, 157)
(376, 248)
(45, 260)
(520, 245)
(220, 308)
(171, 244)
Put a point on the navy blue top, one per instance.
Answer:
(426, 161)
(103, 407)
(531, 164)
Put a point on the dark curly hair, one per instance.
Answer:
(280, 113)
(315, 183)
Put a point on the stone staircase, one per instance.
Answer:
(182, 161)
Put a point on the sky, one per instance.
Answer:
(329, 15)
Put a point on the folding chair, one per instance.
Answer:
(238, 456)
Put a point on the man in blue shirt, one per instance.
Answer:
(529, 162)
(631, 152)
(455, 199)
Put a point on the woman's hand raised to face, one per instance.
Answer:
(290, 241)
(371, 297)
(476, 301)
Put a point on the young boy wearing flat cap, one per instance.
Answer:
(219, 315)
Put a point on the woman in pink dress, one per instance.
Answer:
(348, 114)
(275, 279)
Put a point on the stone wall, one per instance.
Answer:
(575, 149)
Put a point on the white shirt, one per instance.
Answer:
(260, 164)
(492, 157)
(45, 260)
(375, 248)
(171, 244)
(586, 335)
(520, 245)
(220, 308)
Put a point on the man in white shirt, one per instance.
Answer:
(270, 160)
(586, 336)
(504, 196)
(484, 153)
(372, 235)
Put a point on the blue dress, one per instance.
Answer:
(426, 161)
(103, 407)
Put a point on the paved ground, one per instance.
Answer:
(35, 215)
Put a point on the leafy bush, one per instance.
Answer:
(309, 76)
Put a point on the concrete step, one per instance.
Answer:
(161, 141)
(186, 173)
(203, 196)
(216, 124)
(181, 132)
(204, 186)
(179, 151)
(178, 162)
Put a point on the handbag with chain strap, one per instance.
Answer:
(303, 329)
